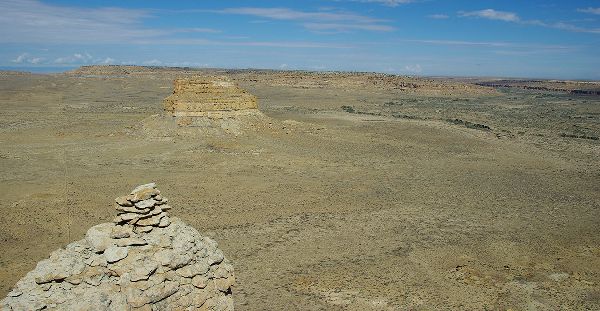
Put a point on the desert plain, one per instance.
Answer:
(356, 191)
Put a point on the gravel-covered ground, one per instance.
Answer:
(343, 198)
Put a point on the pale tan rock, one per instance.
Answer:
(200, 281)
(143, 187)
(99, 237)
(142, 194)
(144, 271)
(115, 253)
(164, 222)
(165, 265)
(151, 221)
(193, 270)
(131, 242)
(141, 230)
(146, 203)
(123, 201)
(224, 284)
(196, 96)
(120, 232)
(129, 216)
(131, 209)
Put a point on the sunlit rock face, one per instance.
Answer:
(203, 96)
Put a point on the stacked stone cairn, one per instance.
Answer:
(143, 209)
(143, 260)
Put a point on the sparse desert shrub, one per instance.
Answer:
(470, 125)
(348, 109)
(583, 136)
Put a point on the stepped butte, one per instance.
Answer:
(202, 96)
(144, 260)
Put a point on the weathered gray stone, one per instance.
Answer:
(144, 271)
(162, 265)
(115, 253)
(123, 201)
(131, 209)
(193, 270)
(142, 195)
(131, 242)
(147, 203)
(129, 216)
(150, 221)
(99, 237)
(143, 187)
(164, 222)
(120, 232)
(141, 230)
(200, 281)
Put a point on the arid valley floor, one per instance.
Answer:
(357, 192)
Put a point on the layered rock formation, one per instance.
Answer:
(205, 96)
(144, 260)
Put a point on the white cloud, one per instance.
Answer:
(590, 10)
(35, 60)
(283, 66)
(26, 58)
(416, 68)
(108, 61)
(438, 16)
(77, 58)
(514, 18)
(498, 44)
(318, 20)
(21, 58)
(392, 3)
(274, 44)
(345, 27)
(85, 57)
(492, 14)
(34, 21)
(154, 62)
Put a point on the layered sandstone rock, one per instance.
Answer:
(201, 96)
(144, 260)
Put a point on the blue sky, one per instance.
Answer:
(546, 39)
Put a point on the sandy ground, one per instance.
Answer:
(389, 207)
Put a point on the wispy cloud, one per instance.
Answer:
(26, 58)
(154, 62)
(590, 10)
(274, 44)
(34, 21)
(108, 61)
(20, 59)
(392, 3)
(458, 42)
(416, 68)
(438, 16)
(316, 20)
(514, 18)
(491, 14)
(77, 58)
(513, 46)
(345, 27)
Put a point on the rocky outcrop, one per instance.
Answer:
(201, 96)
(143, 260)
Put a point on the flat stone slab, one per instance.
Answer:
(115, 253)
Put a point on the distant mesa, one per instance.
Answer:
(143, 260)
(202, 96)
